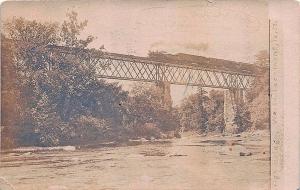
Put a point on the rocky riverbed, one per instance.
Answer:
(236, 162)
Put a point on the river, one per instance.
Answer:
(190, 163)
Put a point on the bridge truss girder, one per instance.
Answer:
(122, 67)
(174, 74)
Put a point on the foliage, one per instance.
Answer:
(192, 114)
(254, 113)
(242, 118)
(215, 111)
(146, 105)
(55, 99)
(89, 129)
(148, 130)
(203, 112)
(58, 89)
(262, 59)
(64, 102)
(258, 96)
(10, 95)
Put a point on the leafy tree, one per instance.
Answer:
(193, 115)
(89, 129)
(262, 59)
(58, 88)
(258, 96)
(215, 110)
(146, 105)
(242, 118)
(254, 113)
(10, 96)
(203, 112)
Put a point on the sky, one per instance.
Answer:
(227, 29)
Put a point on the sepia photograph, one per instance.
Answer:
(135, 95)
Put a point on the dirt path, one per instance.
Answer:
(191, 163)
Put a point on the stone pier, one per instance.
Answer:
(166, 94)
(232, 98)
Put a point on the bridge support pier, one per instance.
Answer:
(232, 98)
(166, 94)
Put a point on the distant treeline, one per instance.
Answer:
(50, 100)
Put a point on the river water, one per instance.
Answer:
(189, 163)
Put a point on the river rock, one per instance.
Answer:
(242, 151)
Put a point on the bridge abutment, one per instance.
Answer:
(232, 98)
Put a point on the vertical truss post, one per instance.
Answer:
(157, 74)
(123, 67)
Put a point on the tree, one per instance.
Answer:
(262, 59)
(215, 110)
(258, 96)
(203, 112)
(146, 106)
(242, 118)
(193, 115)
(10, 96)
(58, 89)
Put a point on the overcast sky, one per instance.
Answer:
(227, 29)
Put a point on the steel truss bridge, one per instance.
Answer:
(192, 71)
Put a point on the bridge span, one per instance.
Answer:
(180, 69)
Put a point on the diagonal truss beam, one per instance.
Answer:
(179, 75)
(130, 68)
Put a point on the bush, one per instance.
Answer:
(148, 130)
(242, 118)
(86, 129)
(147, 105)
(203, 112)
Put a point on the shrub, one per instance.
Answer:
(85, 129)
(148, 130)
(242, 118)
